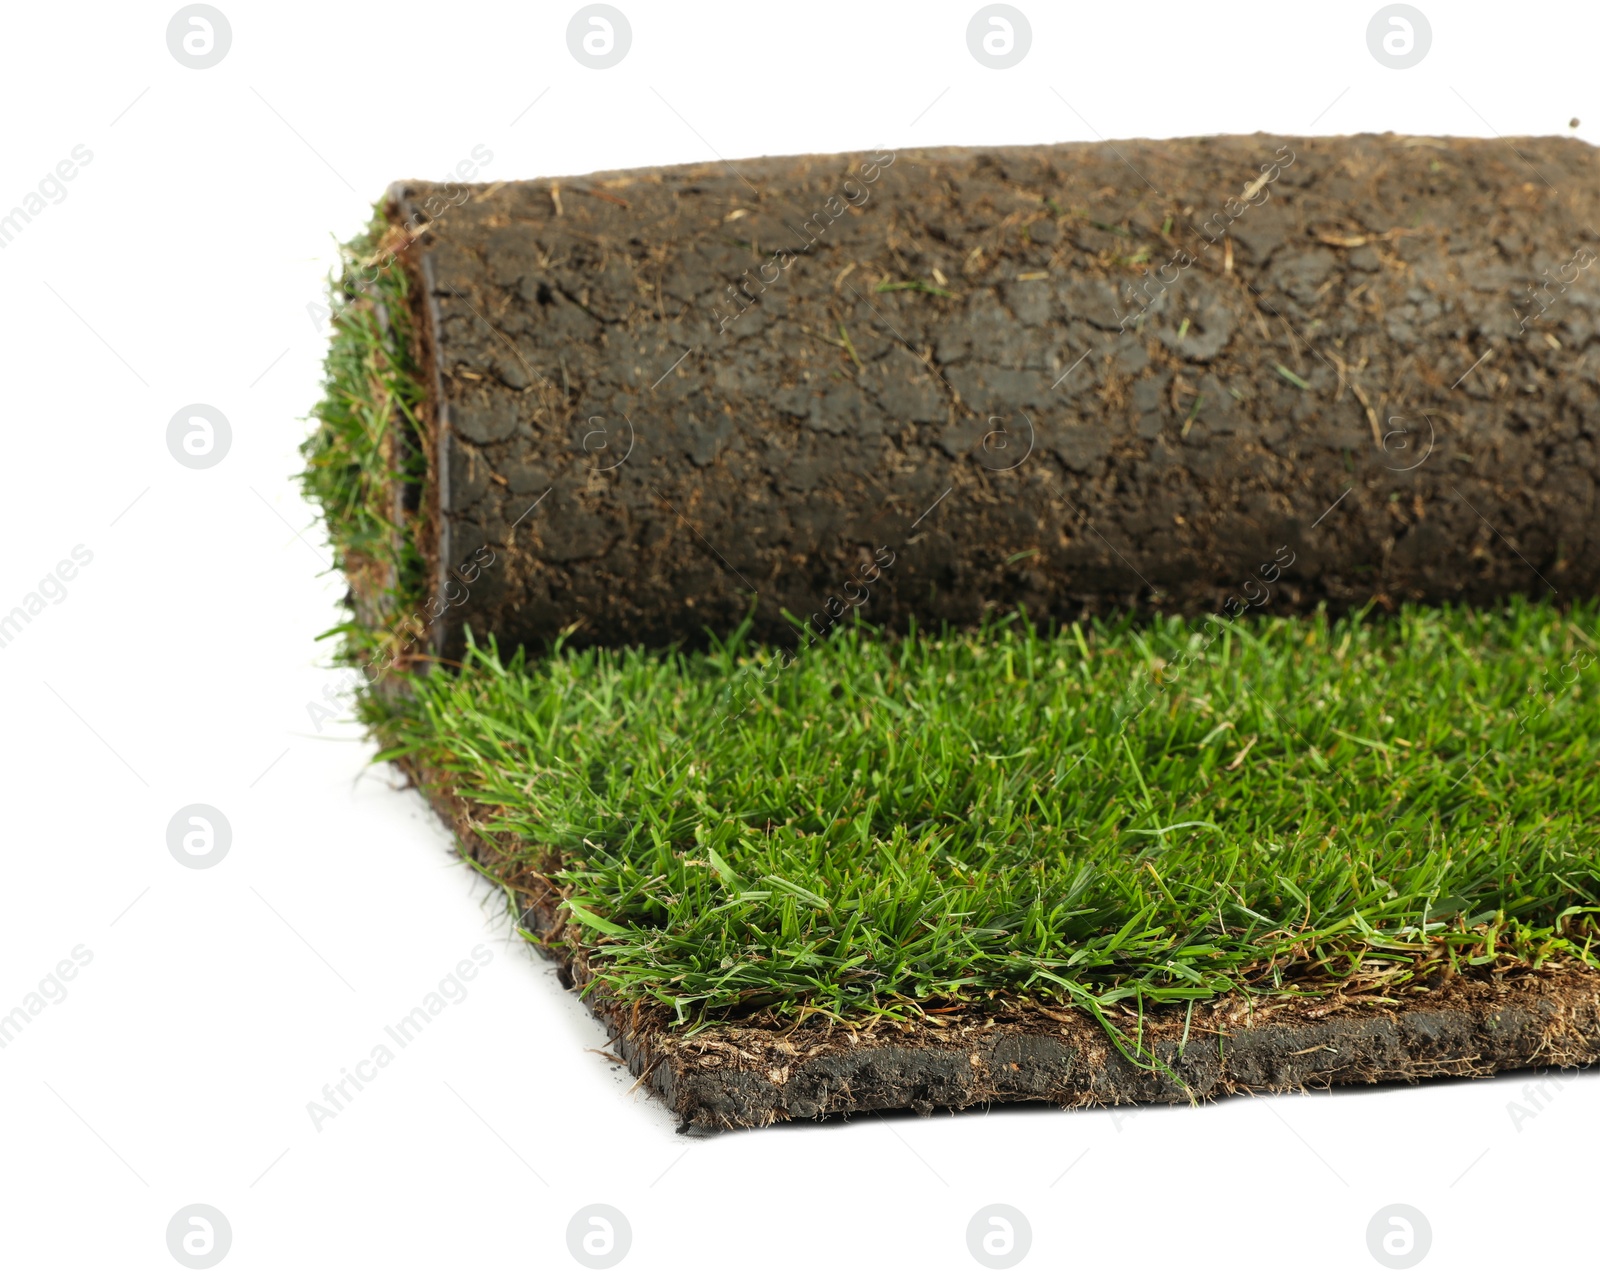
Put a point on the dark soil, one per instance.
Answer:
(1155, 374)
(764, 1068)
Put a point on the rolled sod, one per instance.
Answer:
(1026, 838)
(1161, 374)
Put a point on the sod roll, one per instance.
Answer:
(1211, 373)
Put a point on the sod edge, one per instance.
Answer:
(521, 760)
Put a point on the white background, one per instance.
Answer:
(180, 666)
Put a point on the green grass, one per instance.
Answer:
(365, 442)
(1155, 811)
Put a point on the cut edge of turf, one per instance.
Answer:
(772, 1068)
(369, 463)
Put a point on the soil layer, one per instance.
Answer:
(764, 1068)
(1155, 373)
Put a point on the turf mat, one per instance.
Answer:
(1117, 860)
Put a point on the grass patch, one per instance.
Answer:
(1156, 812)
